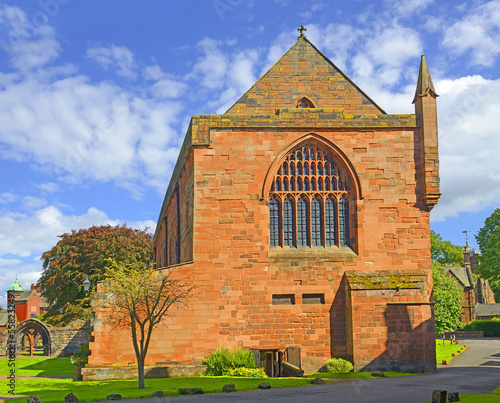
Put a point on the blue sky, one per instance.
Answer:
(96, 96)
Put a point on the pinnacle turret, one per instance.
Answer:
(424, 83)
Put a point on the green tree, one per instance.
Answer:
(138, 297)
(488, 239)
(447, 298)
(85, 253)
(444, 252)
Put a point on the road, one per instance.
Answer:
(476, 371)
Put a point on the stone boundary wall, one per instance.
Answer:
(465, 335)
(66, 340)
(119, 373)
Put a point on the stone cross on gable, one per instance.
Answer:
(301, 30)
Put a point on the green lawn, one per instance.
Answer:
(443, 352)
(54, 390)
(39, 366)
(494, 397)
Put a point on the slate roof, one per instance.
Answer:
(487, 310)
(24, 296)
(460, 273)
(4, 316)
(44, 303)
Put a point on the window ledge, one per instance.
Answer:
(331, 253)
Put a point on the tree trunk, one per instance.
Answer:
(140, 371)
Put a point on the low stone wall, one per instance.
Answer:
(90, 373)
(464, 335)
(66, 340)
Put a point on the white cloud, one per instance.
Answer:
(409, 7)
(29, 46)
(153, 73)
(7, 197)
(168, 89)
(48, 187)
(117, 57)
(27, 236)
(469, 143)
(32, 203)
(211, 68)
(477, 34)
(87, 131)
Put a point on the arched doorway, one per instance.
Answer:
(30, 333)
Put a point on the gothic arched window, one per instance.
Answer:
(314, 211)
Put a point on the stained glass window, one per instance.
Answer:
(330, 222)
(274, 217)
(302, 222)
(288, 222)
(344, 221)
(309, 201)
(316, 221)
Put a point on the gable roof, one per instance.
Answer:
(23, 297)
(460, 273)
(304, 71)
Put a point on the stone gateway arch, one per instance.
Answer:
(54, 341)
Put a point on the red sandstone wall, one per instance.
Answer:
(186, 189)
(392, 330)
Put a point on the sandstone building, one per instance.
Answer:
(302, 216)
(477, 292)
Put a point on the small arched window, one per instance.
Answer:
(305, 103)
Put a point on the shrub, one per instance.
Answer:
(338, 365)
(81, 355)
(490, 328)
(222, 360)
(247, 372)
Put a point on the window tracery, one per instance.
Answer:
(309, 201)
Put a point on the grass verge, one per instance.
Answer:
(444, 352)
